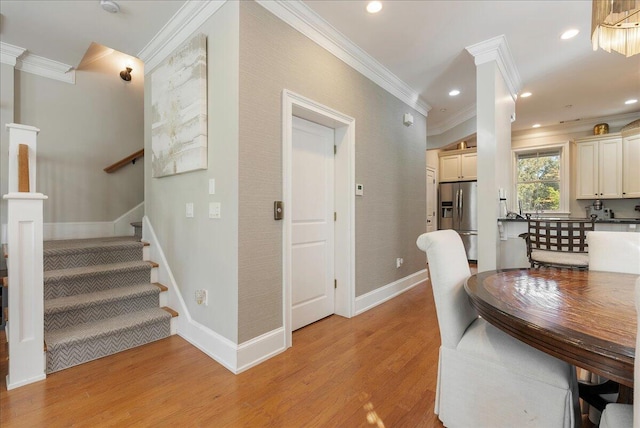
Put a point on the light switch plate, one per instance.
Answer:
(214, 210)
(212, 186)
(359, 190)
(189, 210)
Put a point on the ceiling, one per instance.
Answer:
(421, 42)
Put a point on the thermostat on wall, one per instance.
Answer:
(359, 190)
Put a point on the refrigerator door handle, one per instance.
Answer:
(460, 206)
(467, 233)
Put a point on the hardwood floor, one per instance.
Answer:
(375, 370)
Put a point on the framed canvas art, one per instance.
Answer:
(179, 110)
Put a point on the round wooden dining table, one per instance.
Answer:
(587, 318)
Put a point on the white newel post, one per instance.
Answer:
(25, 327)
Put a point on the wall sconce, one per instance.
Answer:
(126, 74)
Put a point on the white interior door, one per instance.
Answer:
(312, 217)
(431, 200)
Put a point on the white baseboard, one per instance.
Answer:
(96, 229)
(24, 382)
(218, 347)
(259, 349)
(389, 291)
(77, 230)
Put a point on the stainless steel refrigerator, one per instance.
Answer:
(458, 210)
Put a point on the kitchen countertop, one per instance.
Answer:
(612, 220)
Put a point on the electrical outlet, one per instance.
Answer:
(399, 262)
(201, 297)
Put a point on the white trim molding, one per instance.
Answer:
(259, 349)
(9, 54)
(305, 20)
(235, 358)
(389, 291)
(497, 49)
(46, 67)
(344, 174)
(178, 29)
(456, 119)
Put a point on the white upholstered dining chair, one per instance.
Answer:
(487, 378)
(614, 251)
(609, 252)
(623, 415)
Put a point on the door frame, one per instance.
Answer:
(344, 194)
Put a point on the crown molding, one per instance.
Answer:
(46, 67)
(302, 18)
(454, 120)
(615, 121)
(497, 49)
(184, 23)
(9, 54)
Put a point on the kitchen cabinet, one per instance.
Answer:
(458, 165)
(631, 164)
(599, 167)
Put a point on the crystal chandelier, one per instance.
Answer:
(615, 25)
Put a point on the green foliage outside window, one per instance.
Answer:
(538, 181)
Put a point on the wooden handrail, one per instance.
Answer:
(131, 158)
(23, 168)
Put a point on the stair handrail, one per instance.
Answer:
(122, 162)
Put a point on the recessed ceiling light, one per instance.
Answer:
(631, 101)
(454, 92)
(569, 34)
(525, 94)
(537, 125)
(442, 110)
(374, 7)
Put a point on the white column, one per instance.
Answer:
(25, 328)
(21, 134)
(497, 83)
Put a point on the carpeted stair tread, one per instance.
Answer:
(83, 271)
(97, 329)
(95, 244)
(90, 252)
(70, 303)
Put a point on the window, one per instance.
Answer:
(540, 177)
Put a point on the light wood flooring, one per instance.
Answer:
(377, 369)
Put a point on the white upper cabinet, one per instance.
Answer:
(631, 164)
(599, 167)
(458, 166)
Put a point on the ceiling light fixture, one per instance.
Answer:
(454, 92)
(569, 34)
(537, 125)
(374, 7)
(525, 94)
(615, 25)
(631, 101)
(110, 6)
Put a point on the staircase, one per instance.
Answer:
(99, 299)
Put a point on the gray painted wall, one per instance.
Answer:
(252, 57)
(203, 253)
(6, 116)
(83, 129)
(390, 162)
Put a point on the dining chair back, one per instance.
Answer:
(614, 251)
(623, 415)
(561, 243)
(487, 378)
